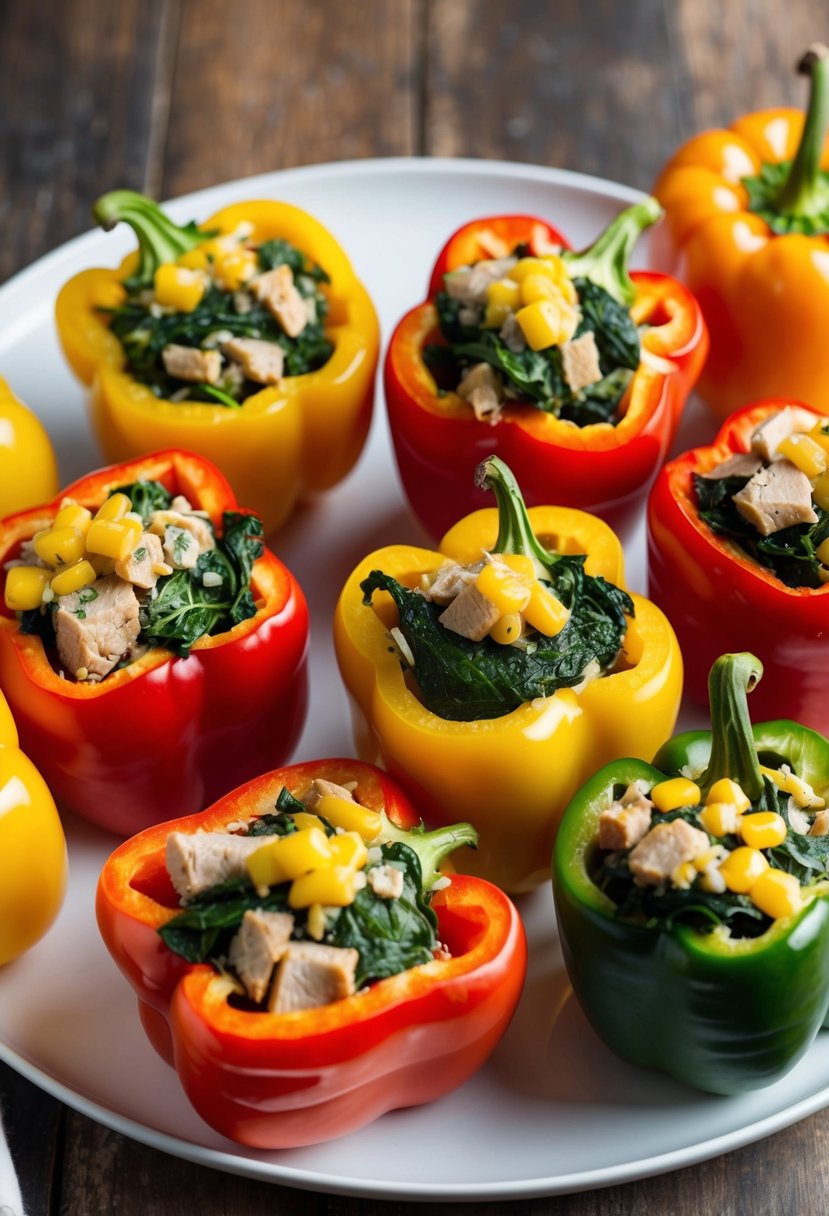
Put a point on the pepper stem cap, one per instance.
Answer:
(159, 239)
(431, 847)
(607, 261)
(805, 192)
(515, 533)
(733, 751)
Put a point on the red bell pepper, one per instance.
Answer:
(719, 600)
(598, 467)
(278, 1081)
(162, 736)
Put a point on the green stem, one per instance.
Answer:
(159, 239)
(733, 752)
(805, 192)
(515, 533)
(606, 262)
(431, 847)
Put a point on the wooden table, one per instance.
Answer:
(166, 96)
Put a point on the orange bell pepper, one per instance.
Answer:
(747, 228)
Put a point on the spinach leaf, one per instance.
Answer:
(203, 931)
(271, 254)
(615, 334)
(462, 681)
(146, 497)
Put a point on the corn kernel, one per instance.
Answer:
(508, 591)
(25, 586)
(720, 818)
(195, 259)
(796, 787)
(742, 868)
(803, 451)
(710, 857)
(134, 526)
(763, 829)
(520, 563)
(342, 813)
(822, 552)
(348, 849)
(73, 515)
(59, 546)
(315, 923)
(820, 491)
(544, 612)
(549, 267)
(304, 819)
(537, 287)
(177, 287)
(679, 791)
(235, 268)
(777, 894)
(74, 578)
(100, 564)
(288, 857)
(110, 538)
(502, 298)
(335, 887)
(507, 630)
(726, 790)
(820, 435)
(115, 507)
(545, 324)
(684, 875)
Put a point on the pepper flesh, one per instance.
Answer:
(299, 436)
(721, 1014)
(28, 469)
(162, 735)
(718, 599)
(599, 467)
(277, 1081)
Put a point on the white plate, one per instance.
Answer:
(553, 1111)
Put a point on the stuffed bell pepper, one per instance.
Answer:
(691, 896)
(562, 363)
(151, 649)
(492, 676)
(738, 554)
(747, 220)
(300, 960)
(28, 468)
(248, 340)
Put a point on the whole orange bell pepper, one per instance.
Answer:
(747, 228)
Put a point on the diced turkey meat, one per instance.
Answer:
(482, 389)
(625, 822)
(190, 363)
(666, 846)
(580, 361)
(776, 497)
(312, 974)
(262, 362)
(320, 788)
(96, 627)
(470, 614)
(277, 291)
(450, 580)
(469, 284)
(139, 567)
(257, 948)
(198, 860)
(741, 464)
(770, 434)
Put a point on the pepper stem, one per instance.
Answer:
(515, 533)
(606, 262)
(805, 192)
(159, 239)
(431, 847)
(733, 752)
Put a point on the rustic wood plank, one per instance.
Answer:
(76, 88)
(34, 1129)
(345, 87)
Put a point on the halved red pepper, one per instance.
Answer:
(720, 601)
(600, 467)
(282, 1080)
(162, 736)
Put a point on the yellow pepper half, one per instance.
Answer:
(298, 436)
(510, 776)
(28, 469)
(33, 866)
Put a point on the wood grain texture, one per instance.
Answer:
(34, 1127)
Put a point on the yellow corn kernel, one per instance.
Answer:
(709, 857)
(288, 857)
(684, 875)
(100, 564)
(342, 813)
(777, 894)
(77, 576)
(796, 787)
(822, 552)
(134, 526)
(25, 586)
(805, 452)
(348, 849)
(546, 323)
(109, 295)
(820, 491)
(59, 546)
(304, 819)
(335, 887)
(720, 818)
(520, 563)
(177, 287)
(235, 268)
(536, 287)
(679, 791)
(742, 868)
(508, 591)
(115, 507)
(315, 923)
(502, 298)
(549, 267)
(507, 630)
(73, 515)
(726, 790)
(763, 829)
(111, 538)
(195, 259)
(544, 612)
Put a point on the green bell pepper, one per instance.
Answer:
(690, 984)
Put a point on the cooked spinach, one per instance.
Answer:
(462, 681)
(146, 497)
(204, 929)
(791, 553)
(271, 254)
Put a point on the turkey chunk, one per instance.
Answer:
(311, 974)
(277, 291)
(742, 464)
(665, 847)
(450, 580)
(261, 361)
(482, 388)
(469, 284)
(385, 881)
(318, 790)
(195, 525)
(777, 497)
(96, 627)
(139, 567)
(623, 824)
(198, 860)
(258, 947)
(190, 363)
(470, 614)
(580, 361)
(770, 434)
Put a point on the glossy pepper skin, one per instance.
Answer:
(163, 735)
(599, 467)
(33, 866)
(723, 1015)
(28, 468)
(278, 1081)
(511, 776)
(759, 278)
(718, 599)
(299, 436)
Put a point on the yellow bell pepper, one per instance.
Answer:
(33, 867)
(510, 776)
(301, 435)
(28, 469)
